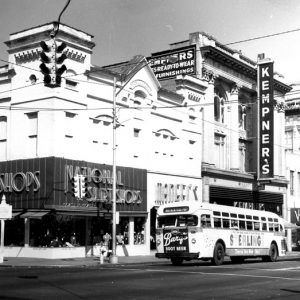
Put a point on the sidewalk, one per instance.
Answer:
(77, 262)
(94, 261)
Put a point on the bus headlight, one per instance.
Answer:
(193, 241)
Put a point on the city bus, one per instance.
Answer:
(204, 231)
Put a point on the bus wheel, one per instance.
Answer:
(273, 254)
(176, 261)
(219, 254)
(237, 259)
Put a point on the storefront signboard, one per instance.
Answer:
(266, 120)
(171, 63)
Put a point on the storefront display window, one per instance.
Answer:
(139, 231)
(123, 231)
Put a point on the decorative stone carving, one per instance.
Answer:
(235, 89)
(27, 56)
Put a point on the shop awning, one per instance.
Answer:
(35, 214)
(288, 225)
(133, 214)
(15, 214)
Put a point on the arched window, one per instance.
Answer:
(139, 97)
(242, 116)
(219, 102)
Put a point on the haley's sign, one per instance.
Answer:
(169, 64)
(266, 120)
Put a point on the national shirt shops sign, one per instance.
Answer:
(47, 183)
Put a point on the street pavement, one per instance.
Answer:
(94, 261)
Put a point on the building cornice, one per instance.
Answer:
(245, 67)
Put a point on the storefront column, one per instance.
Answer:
(27, 232)
(131, 231)
(87, 230)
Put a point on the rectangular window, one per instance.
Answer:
(292, 182)
(249, 225)
(226, 223)
(205, 221)
(136, 132)
(217, 223)
(242, 225)
(220, 151)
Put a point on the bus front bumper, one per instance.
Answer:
(187, 256)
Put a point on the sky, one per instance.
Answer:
(125, 28)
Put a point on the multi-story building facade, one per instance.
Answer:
(50, 135)
(188, 136)
(292, 146)
(227, 87)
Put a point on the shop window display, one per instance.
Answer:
(123, 231)
(139, 231)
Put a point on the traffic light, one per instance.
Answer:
(75, 186)
(83, 187)
(48, 61)
(52, 57)
(59, 59)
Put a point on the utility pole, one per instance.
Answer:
(114, 257)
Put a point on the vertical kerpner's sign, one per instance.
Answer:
(266, 120)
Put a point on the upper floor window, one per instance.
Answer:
(289, 139)
(219, 103)
(3, 128)
(32, 124)
(242, 116)
(139, 98)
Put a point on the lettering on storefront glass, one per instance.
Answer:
(99, 187)
(167, 193)
(19, 182)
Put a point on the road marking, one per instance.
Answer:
(258, 269)
(208, 273)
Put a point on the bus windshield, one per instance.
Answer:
(177, 221)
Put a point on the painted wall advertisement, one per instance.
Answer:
(266, 120)
(171, 63)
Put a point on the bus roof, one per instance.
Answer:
(193, 206)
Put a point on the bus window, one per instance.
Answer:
(225, 214)
(225, 223)
(242, 224)
(166, 221)
(248, 217)
(205, 221)
(255, 218)
(233, 216)
(249, 225)
(217, 223)
(234, 224)
(256, 226)
(187, 220)
(192, 220)
(217, 213)
(264, 226)
(263, 218)
(280, 228)
(242, 216)
(276, 227)
(271, 227)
